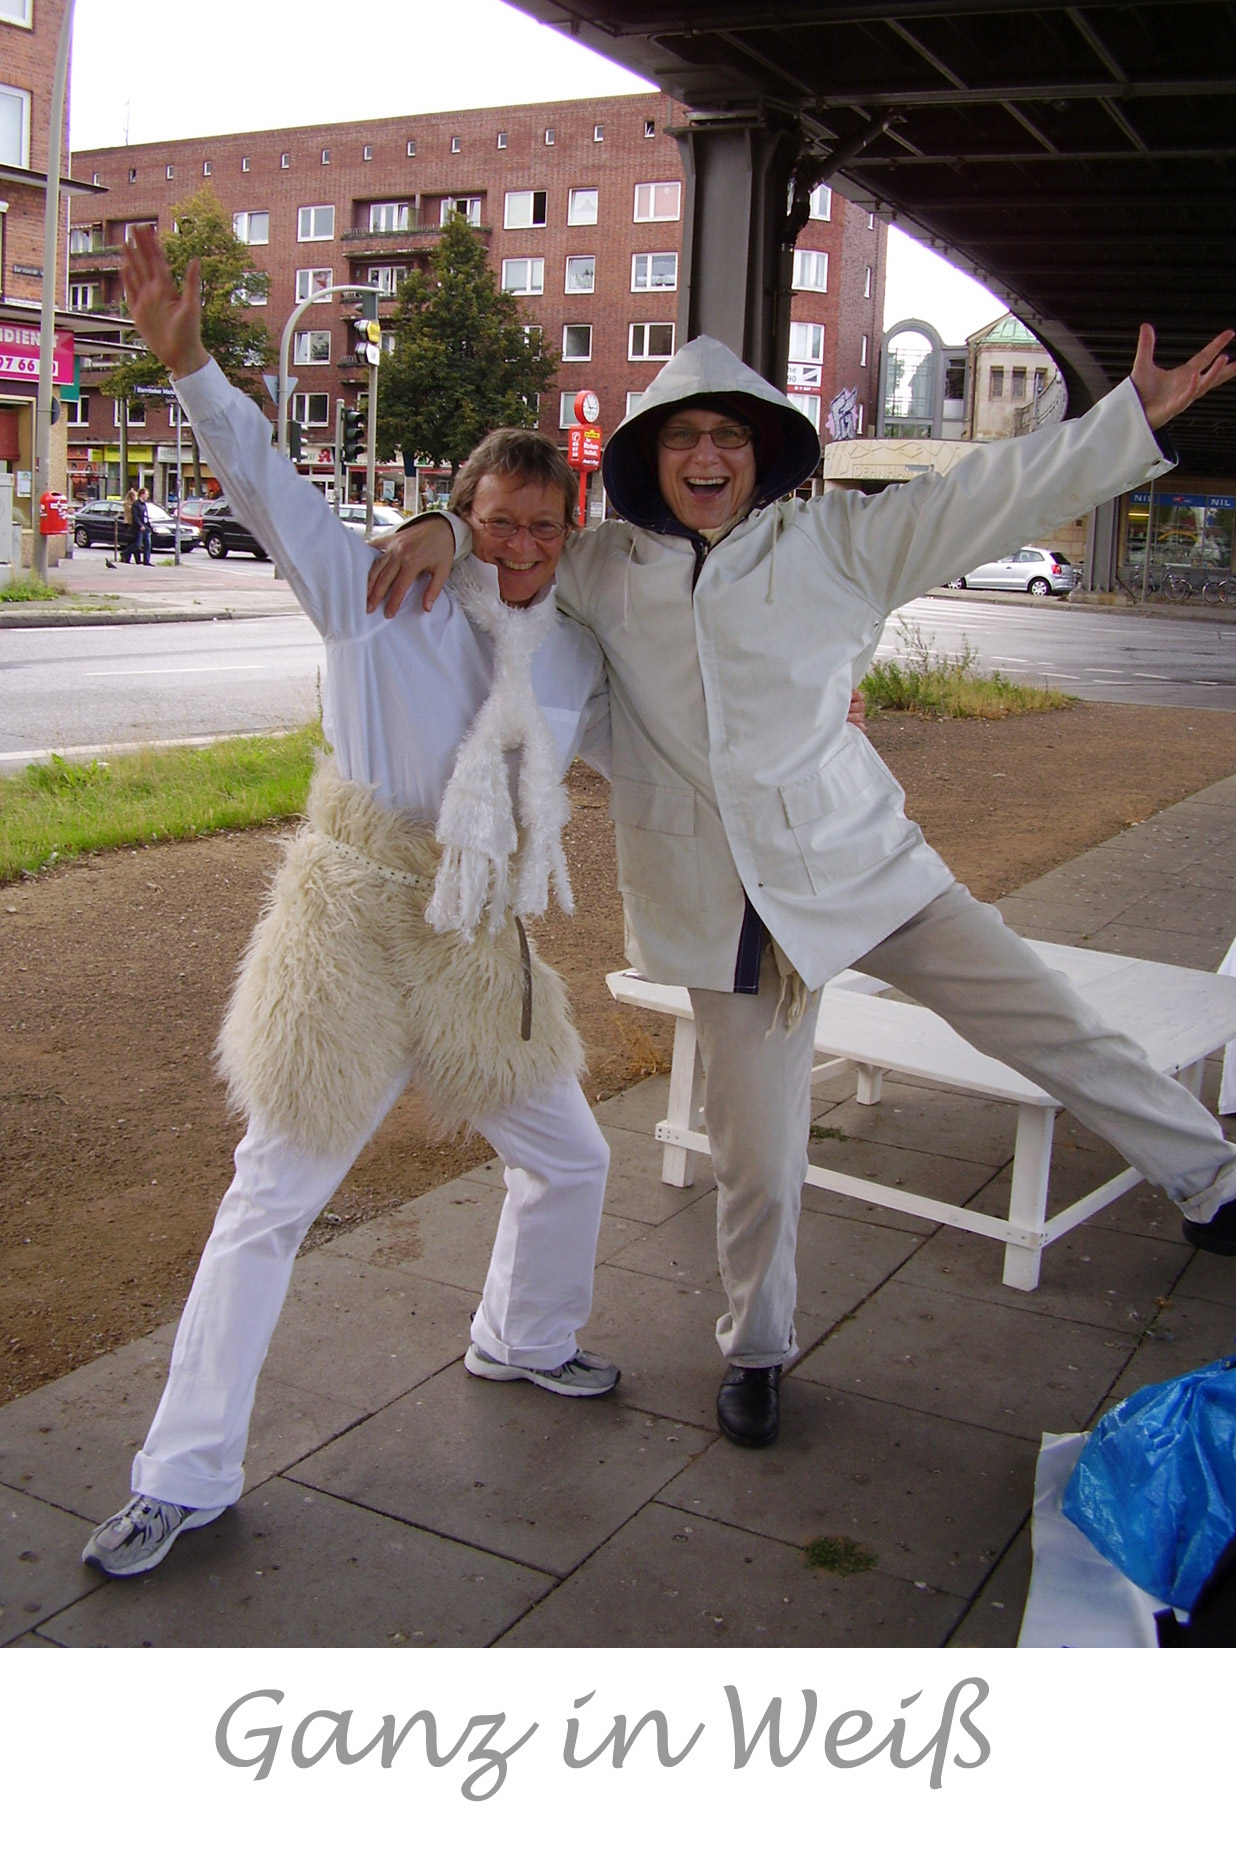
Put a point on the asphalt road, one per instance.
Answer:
(99, 688)
(108, 686)
(1116, 657)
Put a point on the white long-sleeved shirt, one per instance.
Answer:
(399, 695)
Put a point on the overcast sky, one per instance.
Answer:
(229, 65)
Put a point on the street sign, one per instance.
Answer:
(153, 392)
(584, 447)
(272, 384)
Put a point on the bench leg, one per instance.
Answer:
(870, 1085)
(1028, 1192)
(1191, 1078)
(678, 1162)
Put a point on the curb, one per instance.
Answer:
(43, 618)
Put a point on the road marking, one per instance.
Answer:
(176, 669)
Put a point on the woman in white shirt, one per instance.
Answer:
(392, 949)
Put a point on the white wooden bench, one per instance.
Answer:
(1178, 1016)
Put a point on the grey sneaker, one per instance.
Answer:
(585, 1375)
(141, 1534)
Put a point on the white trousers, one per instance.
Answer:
(959, 959)
(537, 1292)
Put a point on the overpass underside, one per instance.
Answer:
(1077, 159)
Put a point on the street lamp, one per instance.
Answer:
(47, 321)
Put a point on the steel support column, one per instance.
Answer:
(1102, 541)
(736, 264)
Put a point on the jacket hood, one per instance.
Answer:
(787, 444)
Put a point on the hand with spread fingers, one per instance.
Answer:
(426, 547)
(1166, 392)
(169, 320)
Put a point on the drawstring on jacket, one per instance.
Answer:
(795, 994)
(772, 558)
(626, 580)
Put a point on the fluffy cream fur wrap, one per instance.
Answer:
(343, 985)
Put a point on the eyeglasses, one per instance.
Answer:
(686, 437)
(502, 528)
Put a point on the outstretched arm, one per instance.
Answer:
(168, 320)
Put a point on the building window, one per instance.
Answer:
(577, 341)
(253, 297)
(387, 278)
(811, 270)
(633, 402)
(654, 270)
(566, 410)
(139, 225)
(169, 172)
(84, 238)
(523, 210)
(81, 295)
(658, 199)
(314, 222)
(467, 205)
(809, 405)
(326, 157)
(244, 164)
(456, 144)
(312, 347)
(867, 282)
(862, 351)
(502, 138)
(390, 216)
(871, 222)
(176, 415)
(1019, 383)
(94, 179)
(549, 138)
(137, 413)
(207, 169)
(581, 276)
(532, 328)
(524, 276)
(1040, 382)
(285, 160)
(132, 176)
(651, 341)
(411, 148)
(253, 228)
(582, 206)
(598, 131)
(650, 128)
(77, 411)
(806, 341)
(367, 152)
(312, 283)
(17, 12)
(995, 383)
(860, 411)
(821, 203)
(311, 408)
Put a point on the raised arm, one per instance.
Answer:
(322, 561)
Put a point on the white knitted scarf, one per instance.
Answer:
(485, 872)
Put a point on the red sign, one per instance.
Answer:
(584, 447)
(19, 354)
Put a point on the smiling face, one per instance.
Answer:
(525, 565)
(705, 487)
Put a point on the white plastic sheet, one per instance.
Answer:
(1077, 1599)
(1227, 1086)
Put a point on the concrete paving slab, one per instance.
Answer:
(997, 1366)
(993, 1619)
(1210, 1277)
(451, 1242)
(1193, 909)
(668, 1581)
(1187, 1334)
(936, 1500)
(922, 1119)
(634, 1191)
(293, 1568)
(933, 1174)
(1065, 921)
(365, 1335)
(507, 1467)
(661, 1334)
(1201, 951)
(40, 1564)
(1100, 1278)
(1143, 1211)
(636, 1109)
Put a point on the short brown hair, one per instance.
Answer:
(512, 451)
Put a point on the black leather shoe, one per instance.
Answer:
(1219, 1235)
(749, 1404)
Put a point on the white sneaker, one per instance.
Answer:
(141, 1534)
(585, 1375)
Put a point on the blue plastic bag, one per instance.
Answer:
(1155, 1487)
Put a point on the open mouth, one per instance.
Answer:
(707, 485)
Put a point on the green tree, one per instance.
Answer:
(239, 342)
(462, 362)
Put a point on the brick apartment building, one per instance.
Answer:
(580, 208)
(29, 34)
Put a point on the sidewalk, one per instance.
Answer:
(159, 594)
(393, 1500)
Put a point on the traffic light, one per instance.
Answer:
(366, 303)
(294, 439)
(351, 434)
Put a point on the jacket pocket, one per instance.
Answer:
(658, 854)
(846, 817)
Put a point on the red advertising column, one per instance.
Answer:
(584, 445)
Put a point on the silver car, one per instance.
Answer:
(1030, 569)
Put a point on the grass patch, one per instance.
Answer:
(843, 1557)
(921, 681)
(61, 808)
(820, 1131)
(27, 586)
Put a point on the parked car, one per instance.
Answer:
(101, 521)
(1030, 569)
(224, 534)
(386, 519)
(193, 508)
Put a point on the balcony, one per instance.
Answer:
(390, 245)
(100, 259)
